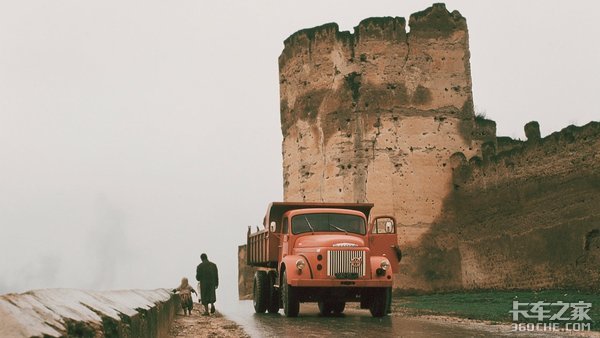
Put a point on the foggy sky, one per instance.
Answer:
(135, 135)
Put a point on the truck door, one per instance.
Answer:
(284, 238)
(383, 240)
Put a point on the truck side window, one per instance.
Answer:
(384, 225)
(285, 225)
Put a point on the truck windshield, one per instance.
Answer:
(328, 223)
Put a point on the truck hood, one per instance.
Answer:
(330, 240)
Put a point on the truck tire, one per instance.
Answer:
(291, 305)
(325, 308)
(389, 300)
(379, 302)
(273, 306)
(261, 291)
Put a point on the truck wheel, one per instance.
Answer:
(379, 304)
(291, 305)
(338, 307)
(261, 290)
(325, 308)
(389, 299)
(273, 306)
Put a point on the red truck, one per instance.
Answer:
(323, 252)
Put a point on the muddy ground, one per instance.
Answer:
(354, 322)
(197, 325)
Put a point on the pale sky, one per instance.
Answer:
(135, 135)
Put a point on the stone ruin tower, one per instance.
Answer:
(375, 115)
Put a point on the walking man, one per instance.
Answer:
(208, 276)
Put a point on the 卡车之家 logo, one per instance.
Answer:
(547, 316)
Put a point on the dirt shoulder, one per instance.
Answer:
(196, 325)
(495, 328)
(483, 311)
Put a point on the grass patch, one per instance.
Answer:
(494, 306)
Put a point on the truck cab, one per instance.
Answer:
(326, 253)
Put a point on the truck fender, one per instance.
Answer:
(293, 273)
(376, 264)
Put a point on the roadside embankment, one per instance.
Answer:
(79, 313)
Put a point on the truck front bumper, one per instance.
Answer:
(367, 283)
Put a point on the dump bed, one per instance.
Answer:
(263, 246)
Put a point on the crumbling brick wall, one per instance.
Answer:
(528, 217)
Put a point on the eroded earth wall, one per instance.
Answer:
(374, 115)
(526, 217)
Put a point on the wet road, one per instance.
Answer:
(352, 323)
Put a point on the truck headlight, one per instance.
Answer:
(300, 264)
(385, 265)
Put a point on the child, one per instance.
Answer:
(185, 294)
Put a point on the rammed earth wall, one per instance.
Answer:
(528, 217)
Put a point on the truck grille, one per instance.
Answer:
(346, 263)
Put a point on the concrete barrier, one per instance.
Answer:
(79, 313)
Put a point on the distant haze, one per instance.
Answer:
(136, 135)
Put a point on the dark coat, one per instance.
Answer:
(208, 276)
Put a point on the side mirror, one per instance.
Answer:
(273, 226)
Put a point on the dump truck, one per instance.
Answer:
(329, 253)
